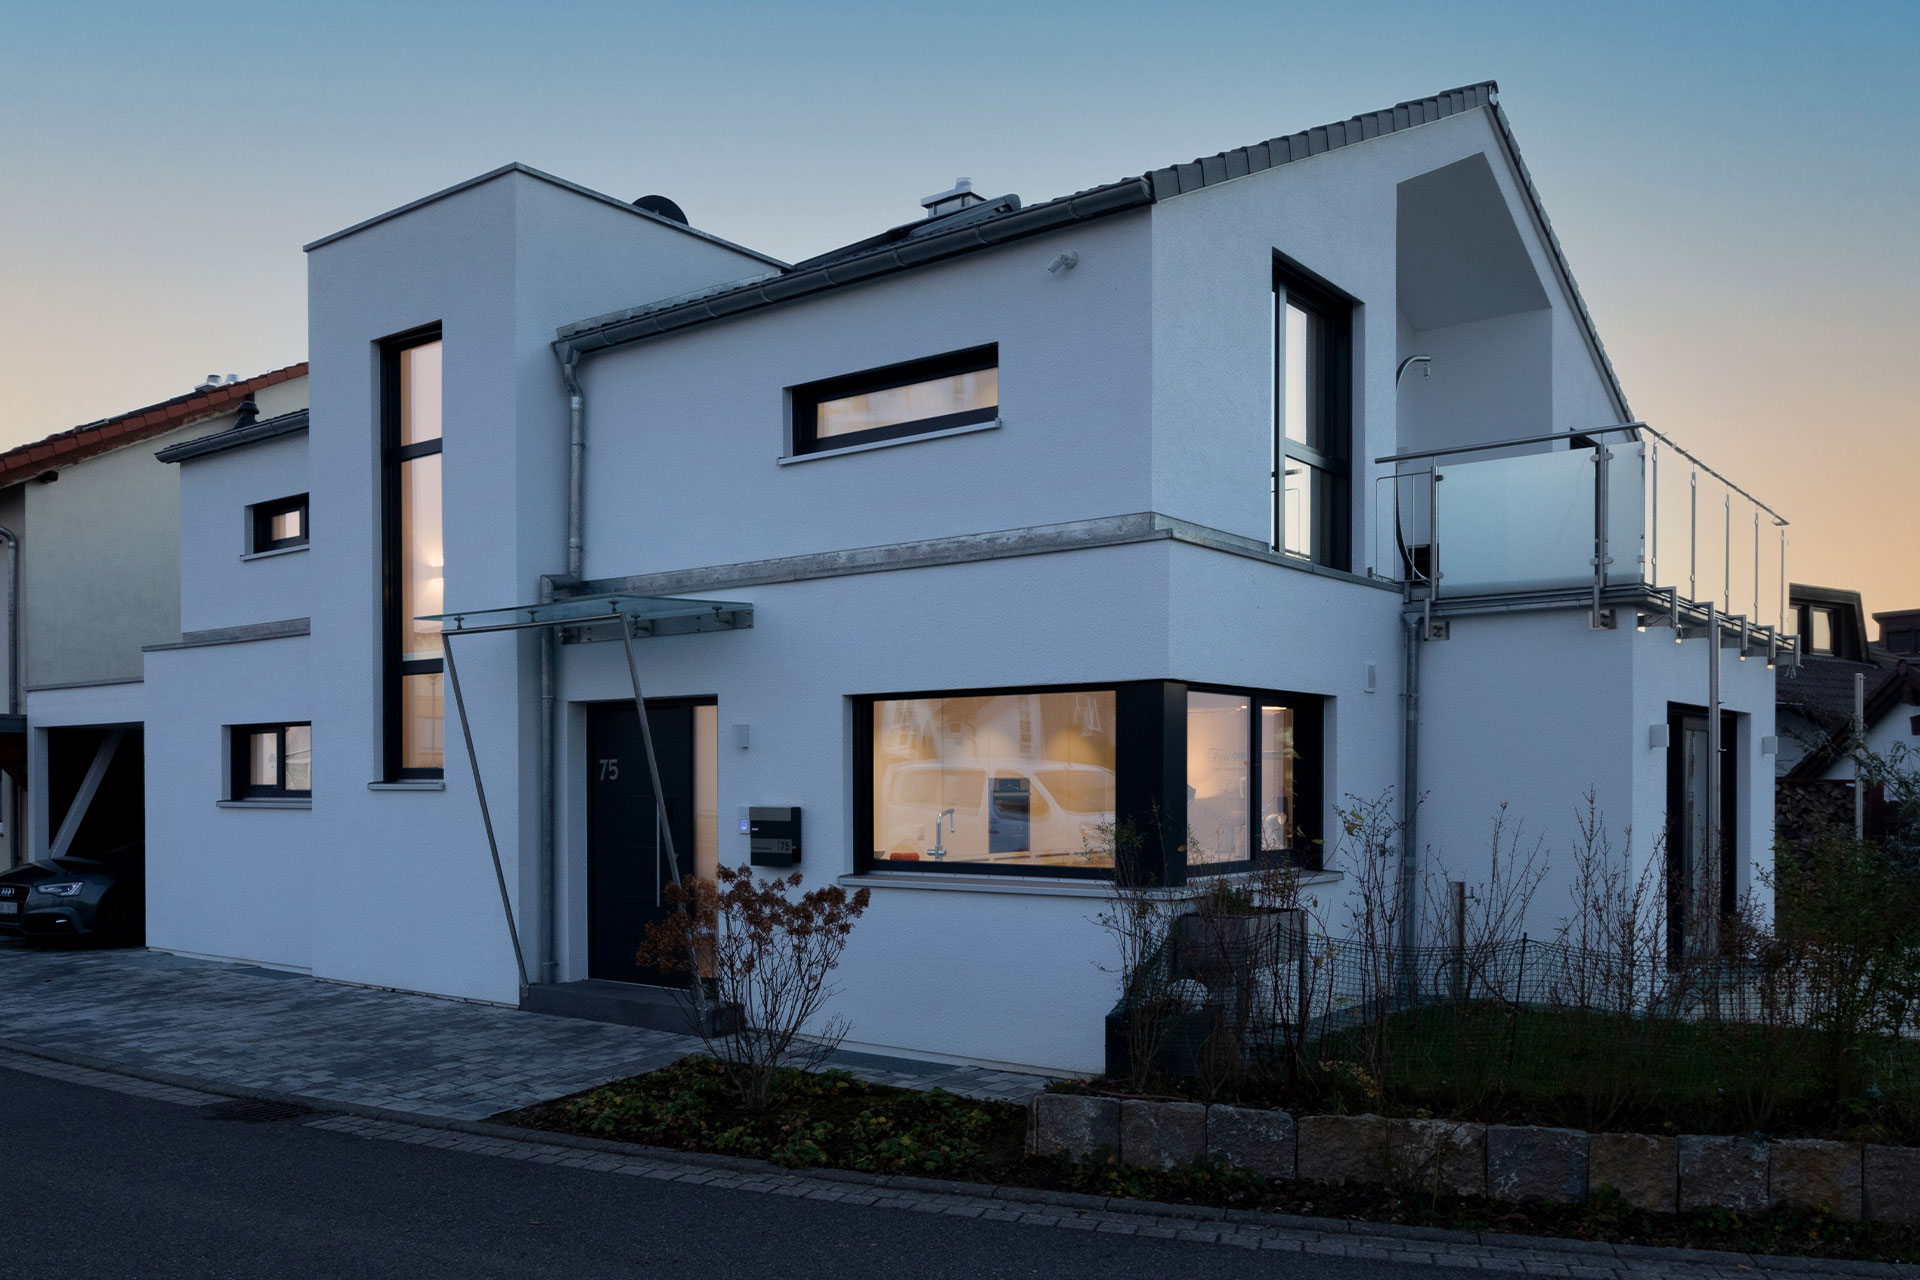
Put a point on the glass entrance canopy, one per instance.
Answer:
(643, 615)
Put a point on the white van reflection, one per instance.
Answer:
(1025, 811)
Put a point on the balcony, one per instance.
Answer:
(1620, 519)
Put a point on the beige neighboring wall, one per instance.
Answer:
(100, 562)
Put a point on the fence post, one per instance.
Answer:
(1457, 892)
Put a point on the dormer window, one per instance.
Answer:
(926, 396)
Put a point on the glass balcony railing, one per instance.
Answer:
(1615, 515)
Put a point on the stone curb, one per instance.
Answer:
(1359, 1231)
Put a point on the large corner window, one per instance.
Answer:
(271, 761)
(1310, 485)
(957, 390)
(1018, 781)
(1181, 781)
(415, 558)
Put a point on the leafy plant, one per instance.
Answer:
(766, 954)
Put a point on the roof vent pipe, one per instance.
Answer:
(960, 196)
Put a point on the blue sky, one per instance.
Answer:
(1735, 184)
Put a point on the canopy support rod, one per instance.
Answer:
(694, 977)
(486, 817)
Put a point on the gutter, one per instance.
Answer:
(620, 328)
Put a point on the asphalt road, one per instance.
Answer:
(100, 1185)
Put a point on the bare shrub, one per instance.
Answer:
(1477, 975)
(766, 954)
(1373, 843)
(1608, 978)
(1138, 915)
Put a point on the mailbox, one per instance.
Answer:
(774, 836)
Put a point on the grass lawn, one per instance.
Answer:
(1501, 1064)
(831, 1120)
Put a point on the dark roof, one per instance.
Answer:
(998, 222)
(233, 437)
(1822, 694)
(562, 183)
(64, 448)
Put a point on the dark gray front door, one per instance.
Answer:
(627, 864)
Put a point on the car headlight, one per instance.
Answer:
(65, 889)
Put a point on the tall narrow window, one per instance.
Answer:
(1312, 362)
(415, 559)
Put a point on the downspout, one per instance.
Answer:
(13, 670)
(576, 459)
(1410, 799)
(569, 357)
(13, 619)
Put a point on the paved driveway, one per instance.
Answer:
(260, 1029)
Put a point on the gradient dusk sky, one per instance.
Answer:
(1737, 186)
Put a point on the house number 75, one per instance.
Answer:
(610, 769)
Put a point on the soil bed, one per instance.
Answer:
(829, 1119)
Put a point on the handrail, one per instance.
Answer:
(1779, 520)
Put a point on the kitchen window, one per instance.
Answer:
(1312, 374)
(272, 761)
(956, 390)
(279, 525)
(1175, 780)
(415, 560)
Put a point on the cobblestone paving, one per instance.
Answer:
(259, 1029)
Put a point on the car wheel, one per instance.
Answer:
(113, 920)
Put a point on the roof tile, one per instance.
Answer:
(79, 443)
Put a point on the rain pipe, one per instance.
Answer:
(13, 653)
(549, 961)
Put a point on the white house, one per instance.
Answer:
(1201, 500)
(90, 524)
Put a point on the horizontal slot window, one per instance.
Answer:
(957, 390)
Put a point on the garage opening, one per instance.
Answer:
(97, 813)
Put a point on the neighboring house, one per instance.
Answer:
(964, 543)
(92, 525)
(1816, 701)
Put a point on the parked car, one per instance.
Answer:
(100, 895)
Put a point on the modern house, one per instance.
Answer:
(1193, 503)
(90, 523)
(1816, 700)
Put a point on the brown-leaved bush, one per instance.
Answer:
(764, 953)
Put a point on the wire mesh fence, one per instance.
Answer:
(1257, 1003)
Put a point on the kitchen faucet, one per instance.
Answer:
(939, 851)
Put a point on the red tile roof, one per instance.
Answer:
(64, 448)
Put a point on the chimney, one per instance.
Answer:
(213, 380)
(962, 196)
(247, 414)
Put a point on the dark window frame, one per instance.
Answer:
(1336, 307)
(393, 456)
(263, 514)
(1150, 781)
(1307, 853)
(807, 398)
(240, 762)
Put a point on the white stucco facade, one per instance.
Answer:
(1111, 526)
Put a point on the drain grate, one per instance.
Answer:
(255, 1111)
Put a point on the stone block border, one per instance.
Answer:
(1517, 1163)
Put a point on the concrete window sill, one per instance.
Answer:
(264, 804)
(822, 454)
(277, 551)
(411, 784)
(1036, 886)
